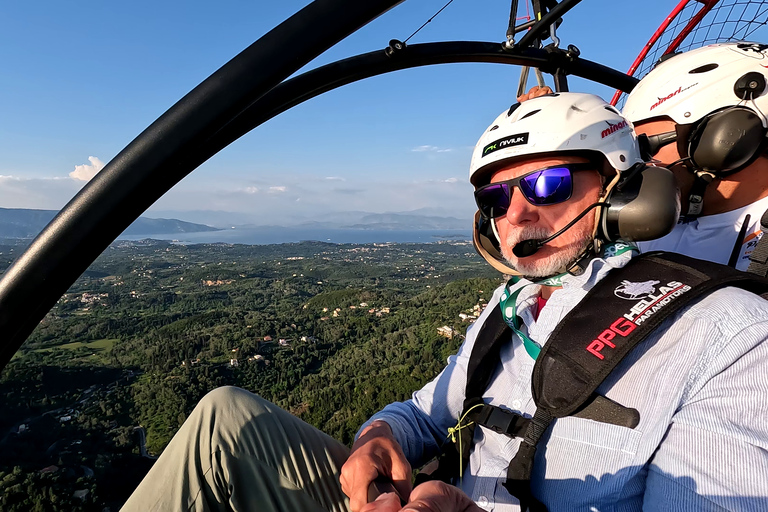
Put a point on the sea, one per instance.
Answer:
(272, 235)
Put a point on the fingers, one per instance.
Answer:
(436, 496)
(356, 476)
(401, 476)
(375, 453)
(535, 92)
(387, 502)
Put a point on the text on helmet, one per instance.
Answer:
(509, 141)
(612, 128)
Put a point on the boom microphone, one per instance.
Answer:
(532, 245)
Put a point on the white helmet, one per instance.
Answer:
(566, 122)
(691, 85)
(717, 96)
(584, 125)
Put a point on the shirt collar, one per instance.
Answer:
(615, 255)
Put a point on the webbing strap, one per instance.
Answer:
(758, 260)
(483, 362)
(484, 359)
(615, 316)
(518, 481)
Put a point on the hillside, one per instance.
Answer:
(25, 223)
(330, 332)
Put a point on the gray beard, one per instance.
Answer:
(553, 264)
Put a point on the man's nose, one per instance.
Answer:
(520, 211)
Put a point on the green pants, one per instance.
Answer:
(239, 452)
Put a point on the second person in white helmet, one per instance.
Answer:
(706, 112)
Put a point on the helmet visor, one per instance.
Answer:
(541, 187)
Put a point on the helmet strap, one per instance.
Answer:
(696, 195)
(597, 234)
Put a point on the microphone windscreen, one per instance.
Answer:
(526, 248)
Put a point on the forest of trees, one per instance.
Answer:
(329, 332)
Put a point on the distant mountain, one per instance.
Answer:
(377, 221)
(421, 219)
(407, 221)
(24, 223)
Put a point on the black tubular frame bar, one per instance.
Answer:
(231, 102)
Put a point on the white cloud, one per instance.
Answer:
(85, 172)
(276, 190)
(431, 149)
(334, 178)
(451, 180)
(251, 190)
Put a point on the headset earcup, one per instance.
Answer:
(645, 206)
(727, 141)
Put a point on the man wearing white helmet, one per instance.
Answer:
(706, 112)
(537, 170)
(559, 183)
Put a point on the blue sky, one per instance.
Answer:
(81, 79)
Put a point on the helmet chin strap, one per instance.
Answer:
(701, 178)
(696, 195)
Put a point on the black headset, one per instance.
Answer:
(722, 142)
(726, 141)
(644, 205)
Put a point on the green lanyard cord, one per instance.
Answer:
(508, 302)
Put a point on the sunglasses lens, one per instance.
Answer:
(549, 186)
(493, 200)
(544, 187)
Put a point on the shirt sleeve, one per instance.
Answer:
(714, 455)
(421, 424)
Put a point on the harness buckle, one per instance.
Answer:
(503, 422)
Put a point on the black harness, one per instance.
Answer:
(617, 314)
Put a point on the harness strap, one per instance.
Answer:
(696, 197)
(592, 340)
(483, 363)
(518, 481)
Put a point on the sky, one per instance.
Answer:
(80, 80)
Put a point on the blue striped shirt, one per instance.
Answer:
(700, 383)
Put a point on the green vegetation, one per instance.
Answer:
(330, 332)
(95, 346)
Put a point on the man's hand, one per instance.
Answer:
(433, 496)
(376, 452)
(535, 92)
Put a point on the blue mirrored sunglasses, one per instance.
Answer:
(541, 187)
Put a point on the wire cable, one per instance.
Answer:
(430, 19)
